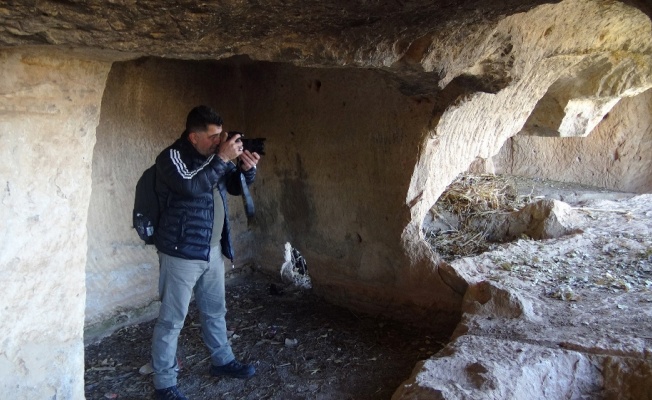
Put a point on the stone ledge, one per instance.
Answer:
(476, 367)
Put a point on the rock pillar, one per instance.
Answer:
(49, 107)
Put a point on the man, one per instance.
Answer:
(193, 176)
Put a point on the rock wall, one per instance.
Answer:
(342, 145)
(615, 155)
(49, 107)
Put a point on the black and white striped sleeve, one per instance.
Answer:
(176, 174)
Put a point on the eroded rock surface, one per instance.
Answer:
(613, 156)
(486, 368)
(46, 180)
(558, 318)
(543, 219)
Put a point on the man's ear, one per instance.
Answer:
(193, 137)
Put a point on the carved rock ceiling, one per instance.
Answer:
(308, 32)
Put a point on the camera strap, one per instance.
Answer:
(246, 197)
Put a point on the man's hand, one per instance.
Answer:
(229, 149)
(249, 160)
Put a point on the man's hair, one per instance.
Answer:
(199, 118)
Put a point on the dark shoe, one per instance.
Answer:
(233, 369)
(171, 393)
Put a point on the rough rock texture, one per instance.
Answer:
(487, 368)
(544, 219)
(541, 56)
(49, 108)
(428, 43)
(559, 318)
(357, 157)
(615, 155)
(336, 33)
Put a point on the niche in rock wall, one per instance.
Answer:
(517, 193)
(478, 211)
(144, 107)
(615, 155)
(575, 103)
(332, 135)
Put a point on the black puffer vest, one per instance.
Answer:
(184, 183)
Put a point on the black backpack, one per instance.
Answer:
(146, 208)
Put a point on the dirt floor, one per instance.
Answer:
(337, 355)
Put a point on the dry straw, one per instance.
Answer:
(472, 199)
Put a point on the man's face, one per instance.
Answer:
(206, 142)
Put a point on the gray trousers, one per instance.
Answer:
(178, 279)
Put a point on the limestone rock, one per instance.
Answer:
(544, 219)
(487, 368)
(595, 345)
(612, 156)
(491, 300)
(50, 108)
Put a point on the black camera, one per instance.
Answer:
(256, 145)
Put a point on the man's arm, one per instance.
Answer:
(247, 168)
(233, 185)
(175, 173)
